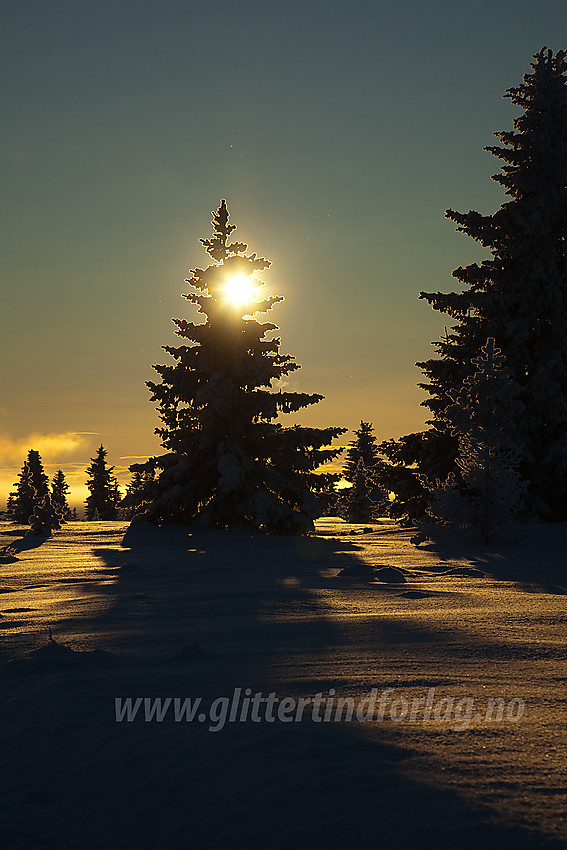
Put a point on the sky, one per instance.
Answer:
(338, 132)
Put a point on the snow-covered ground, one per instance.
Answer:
(209, 614)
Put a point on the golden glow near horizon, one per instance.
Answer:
(240, 290)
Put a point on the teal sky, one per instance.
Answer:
(338, 133)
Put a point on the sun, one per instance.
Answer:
(240, 289)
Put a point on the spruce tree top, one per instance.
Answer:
(533, 223)
(228, 359)
(534, 152)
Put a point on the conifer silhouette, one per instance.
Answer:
(102, 503)
(30, 489)
(59, 493)
(518, 297)
(228, 461)
(485, 493)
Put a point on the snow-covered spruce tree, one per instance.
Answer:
(30, 490)
(408, 459)
(518, 296)
(39, 478)
(449, 505)
(23, 498)
(228, 463)
(356, 503)
(364, 448)
(486, 492)
(45, 518)
(102, 503)
(59, 492)
(140, 490)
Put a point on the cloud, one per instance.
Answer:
(67, 450)
(50, 446)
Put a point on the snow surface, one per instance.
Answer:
(179, 614)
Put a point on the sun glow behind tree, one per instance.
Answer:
(241, 290)
(229, 462)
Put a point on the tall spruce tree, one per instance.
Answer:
(102, 503)
(518, 297)
(228, 461)
(30, 489)
(23, 499)
(59, 493)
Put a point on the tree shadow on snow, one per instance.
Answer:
(537, 555)
(199, 614)
(24, 544)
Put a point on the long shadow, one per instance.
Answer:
(23, 544)
(224, 589)
(199, 616)
(537, 556)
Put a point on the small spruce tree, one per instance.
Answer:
(356, 502)
(364, 448)
(45, 518)
(59, 493)
(102, 503)
(228, 461)
(486, 492)
(376, 470)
